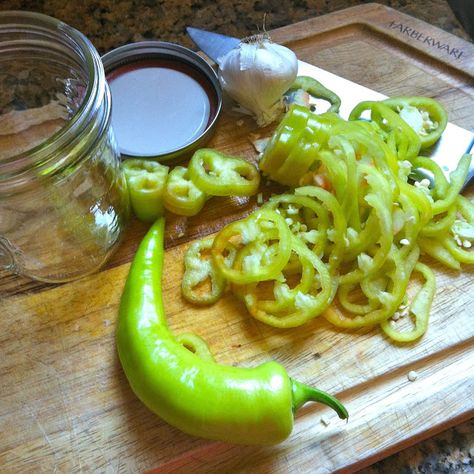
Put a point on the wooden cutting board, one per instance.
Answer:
(65, 404)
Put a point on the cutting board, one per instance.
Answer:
(66, 406)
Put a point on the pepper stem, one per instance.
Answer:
(302, 393)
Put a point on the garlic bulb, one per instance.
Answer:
(256, 74)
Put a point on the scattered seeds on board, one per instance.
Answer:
(412, 376)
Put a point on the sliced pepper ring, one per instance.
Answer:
(433, 247)
(199, 270)
(296, 117)
(459, 253)
(282, 295)
(456, 179)
(379, 199)
(265, 238)
(314, 217)
(407, 140)
(217, 174)
(344, 294)
(299, 159)
(420, 308)
(284, 138)
(338, 218)
(441, 184)
(181, 195)
(297, 306)
(388, 302)
(437, 115)
(146, 180)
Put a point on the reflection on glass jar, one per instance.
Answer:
(63, 198)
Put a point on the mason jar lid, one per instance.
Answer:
(165, 99)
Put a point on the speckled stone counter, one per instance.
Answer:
(111, 23)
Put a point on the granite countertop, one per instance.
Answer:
(111, 23)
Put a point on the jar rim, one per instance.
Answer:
(42, 153)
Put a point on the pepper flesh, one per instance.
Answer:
(146, 181)
(181, 195)
(261, 261)
(199, 270)
(404, 140)
(435, 111)
(196, 395)
(217, 174)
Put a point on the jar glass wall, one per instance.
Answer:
(63, 198)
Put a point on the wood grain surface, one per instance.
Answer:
(66, 405)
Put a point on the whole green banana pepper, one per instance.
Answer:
(192, 393)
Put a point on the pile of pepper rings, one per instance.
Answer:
(345, 242)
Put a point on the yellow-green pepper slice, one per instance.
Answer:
(217, 174)
(284, 139)
(146, 181)
(265, 240)
(199, 270)
(434, 248)
(339, 221)
(296, 117)
(457, 179)
(299, 159)
(293, 307)
(307, 219)
(420, 308)
(425, 115)
(181, 195)
(389, 296)
(407, 142)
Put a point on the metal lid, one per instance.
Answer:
(165, 99)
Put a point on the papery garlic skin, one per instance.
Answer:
(256, 74)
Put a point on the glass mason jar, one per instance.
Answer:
(63, 197)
